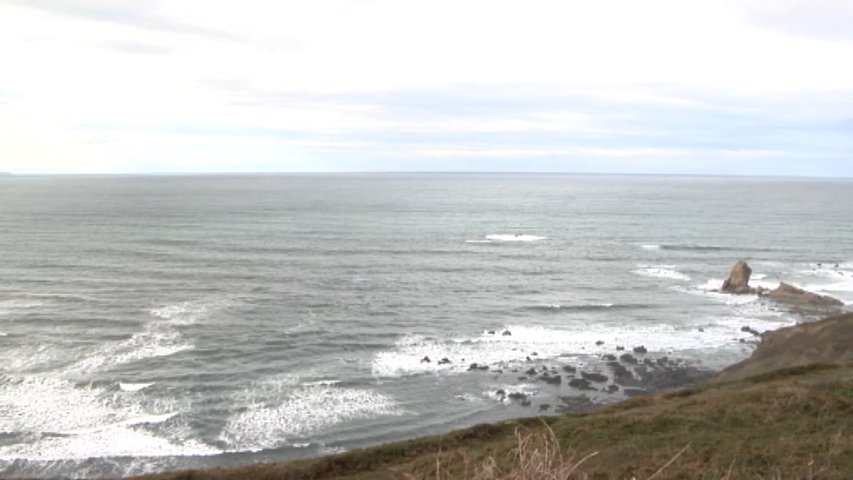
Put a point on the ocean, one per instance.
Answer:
(151, 323)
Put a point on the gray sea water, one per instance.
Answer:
(160, 322)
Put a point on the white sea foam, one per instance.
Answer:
(267, 423)
(154, 341)
(10, 308)
(830, 280)
(661, 271)
(82, 422)
(184, 313)
(113, 441)
(478, 241)
(650, 247)
(537, 343)
(159, 338)
(517, 237)
(133, 387)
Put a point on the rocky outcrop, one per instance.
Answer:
(790, 294)
(738, 281)
(828, 342)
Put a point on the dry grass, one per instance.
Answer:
(791, 424)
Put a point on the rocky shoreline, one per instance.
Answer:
(625, 373)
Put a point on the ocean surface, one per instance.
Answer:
(150, 323)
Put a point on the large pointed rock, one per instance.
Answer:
(738, 281)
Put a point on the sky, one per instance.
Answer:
(721, 87)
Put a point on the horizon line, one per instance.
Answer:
(414, 172)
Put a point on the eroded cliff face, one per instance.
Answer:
(828, 341)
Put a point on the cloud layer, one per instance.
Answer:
(352, 85)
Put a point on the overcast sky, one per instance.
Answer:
(713, 87)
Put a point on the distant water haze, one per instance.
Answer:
(161, 322)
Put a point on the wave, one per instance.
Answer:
(265, 423)
(512, 237)
(58, 420)
(153, 342)
(662, 271)
(695, 248)
(517, 237)
(159, 338)
(588, 307)
(9, 308)
(526, 343)
(133, 387)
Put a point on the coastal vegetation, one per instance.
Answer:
(786, 413)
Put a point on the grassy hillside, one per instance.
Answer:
(755, 421)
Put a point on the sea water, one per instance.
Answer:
(150, 323)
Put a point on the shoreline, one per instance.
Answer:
(806, 363)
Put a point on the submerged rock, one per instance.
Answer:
(594, 377)
(748, 329)
(628, 358)
(569, 369)
(580, 384)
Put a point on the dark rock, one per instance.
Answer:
(633, 392)
(619, 348)
(790, 294)
(534, 354)
(738, 281)
(594, 377)
(500, 393)
(628, 358)
(569, 369)
(475, 366)
(641, 350)
(522, 379)
(525, 403)
(576, 404)
(613, 388)
(580, 383)
(599, 343)
(701, 329)
(425, 360)
(528, 359)
(622, 375)
(491, 332)
(517, 396)
(531, 371)
(747, 329)
(609, 357)
(443, 361)
(506, 333)
(544, 406)
(552, 380)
